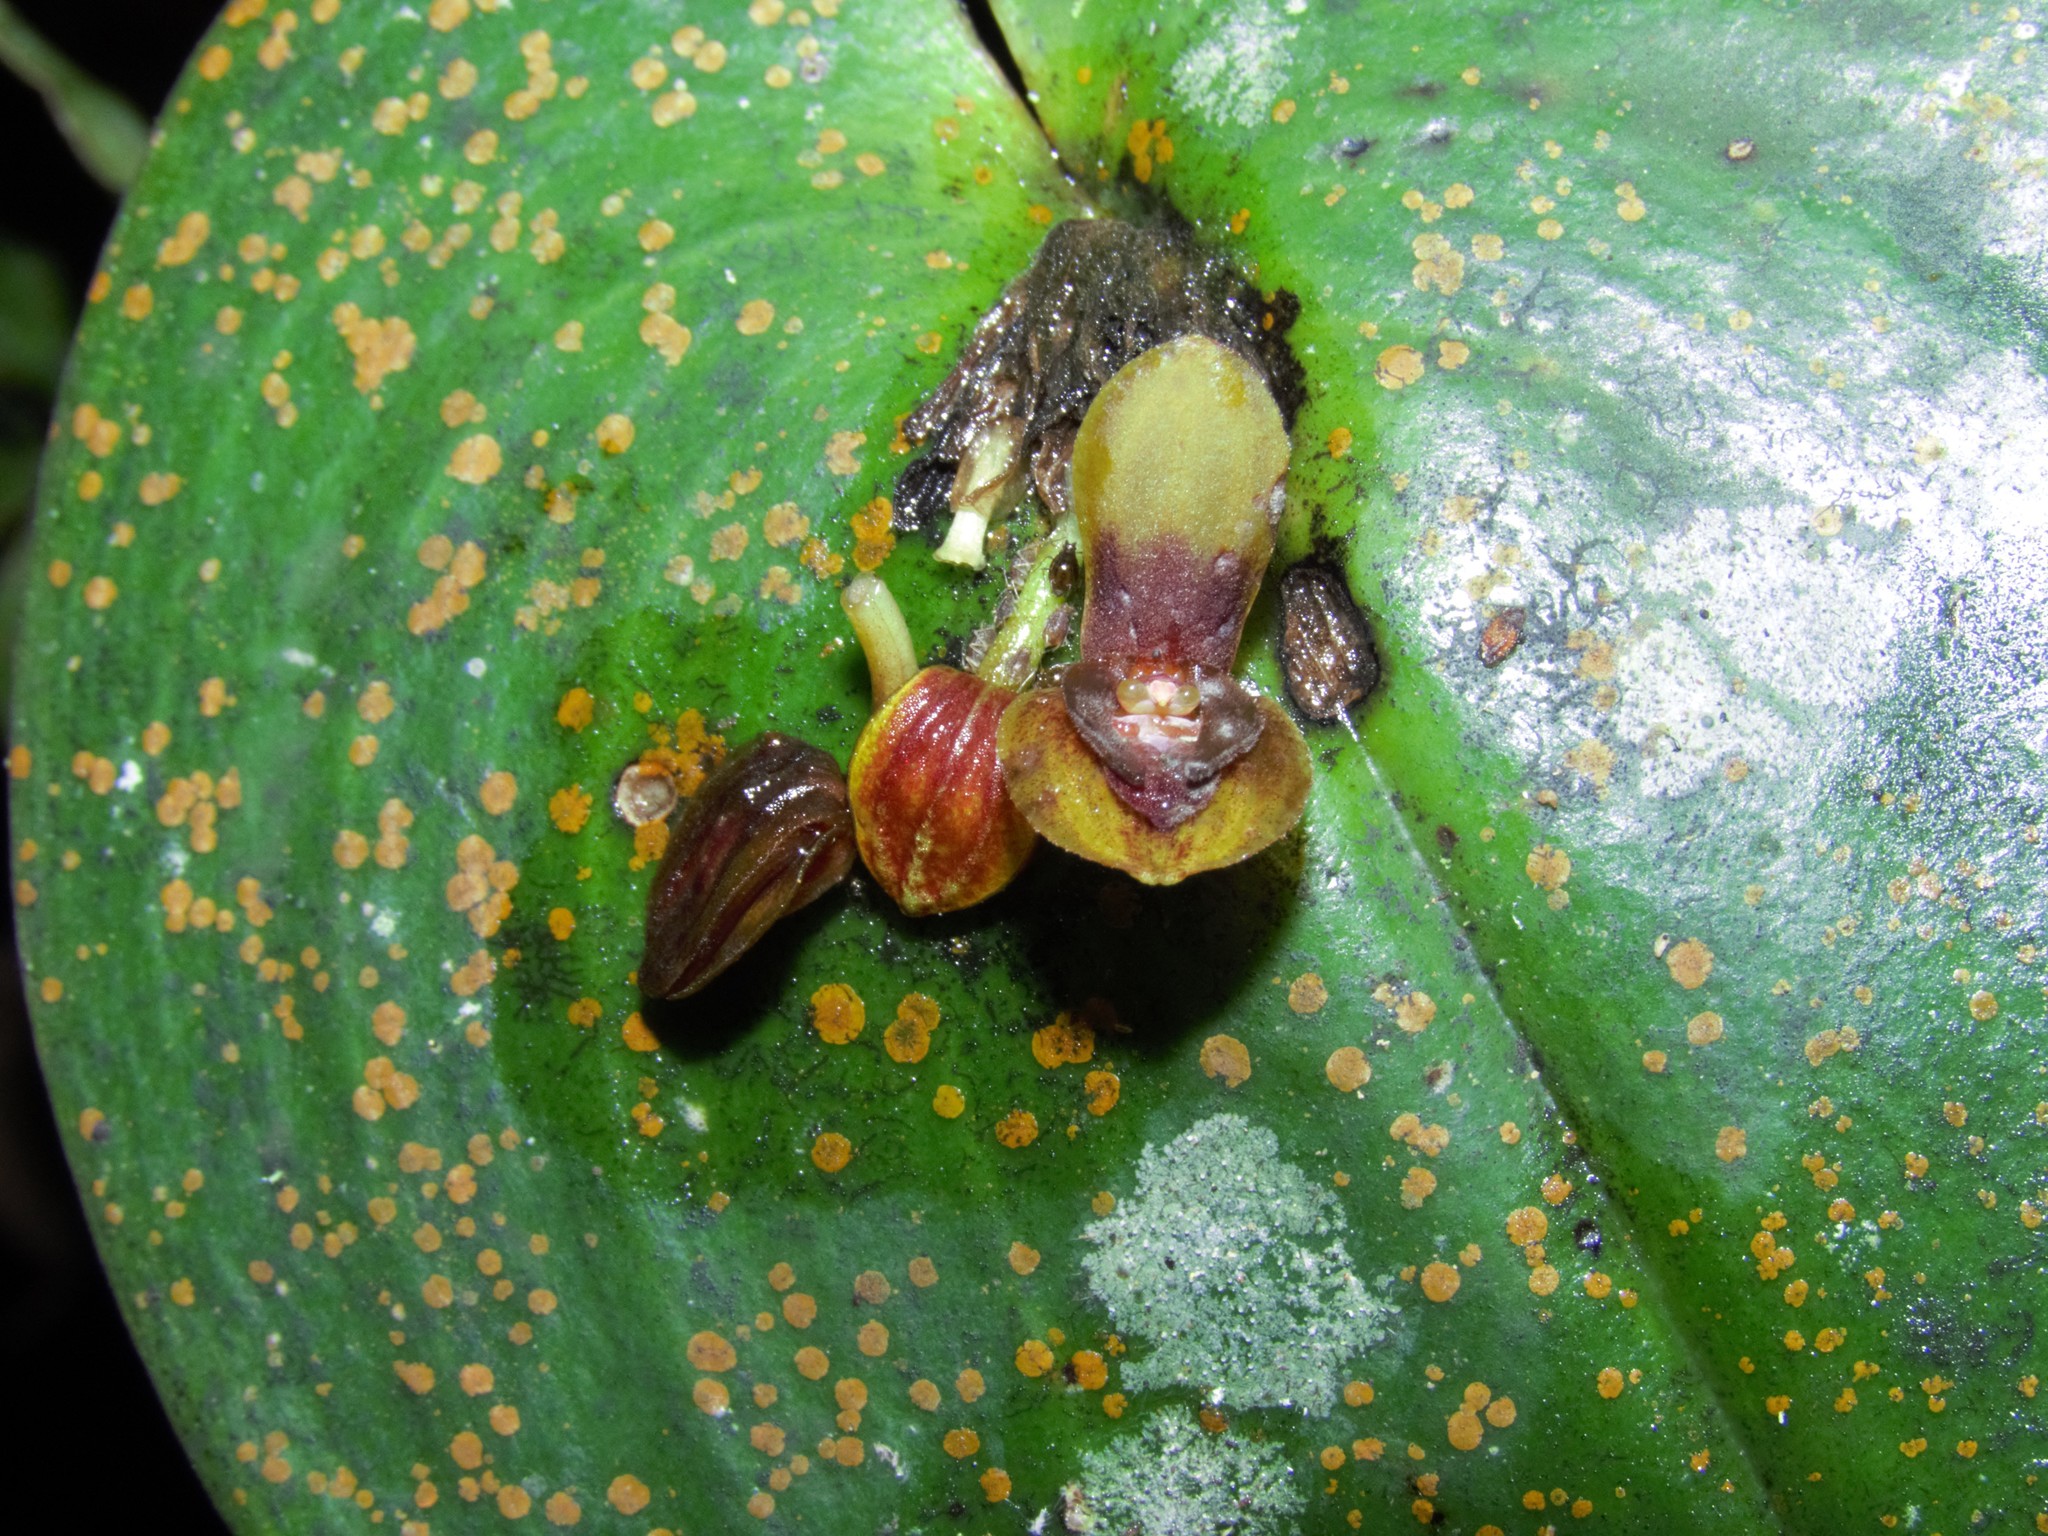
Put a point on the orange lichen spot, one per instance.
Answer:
(1306, 994)
(1357, 1394)
(961, 1443)
(872, 1339)
(783, 525)
(637, 1035)
(838, 1014)
(1103, 1090)
(1347, 1069)
(1556, 1189)
(1730, 1143)
(476, 1380)
(576, 710)
(627, 1494)
(418, 1377)
(831, 1151)
(1463, 1429)
(569, 809)
(756, 315)
(873, 539)
(1067, 1039)
(1033, 1358)
(615, 432)
(812, 1363)
(1690, 963)
(1703, 1028)
(909, 1037)
(1527, 1224)
(1500, 1412)
(1019, 1128)
(1547, 868)
(709, 1351)
(948, 1103)
(969, 1385)
(1440, 1281)
(1608, 1383)
(158, 488)
(1398, 367)
(711, 1397)
(1087, 1370)
(1023, 1258)
(799, 1309)
(1225, 1058)
(500, 790)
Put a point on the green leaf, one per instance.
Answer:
(1698, 1179)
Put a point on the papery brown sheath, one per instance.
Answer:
(766, 834)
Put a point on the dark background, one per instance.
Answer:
(90, 1448)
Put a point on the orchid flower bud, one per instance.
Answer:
(767, 833)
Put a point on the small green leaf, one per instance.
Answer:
(103, 130)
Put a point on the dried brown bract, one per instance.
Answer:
(1099, 294)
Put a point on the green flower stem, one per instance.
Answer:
(884, 637)
(108, 135)
(1018, 646)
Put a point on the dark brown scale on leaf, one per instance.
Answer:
(1066, 573)
(768, 833)
(1099, 293)
(1502, 634)
(1325, 647)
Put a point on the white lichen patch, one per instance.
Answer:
(1176, 1479)
(1833, 509)
(1229, 1264)
(1235, 73)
